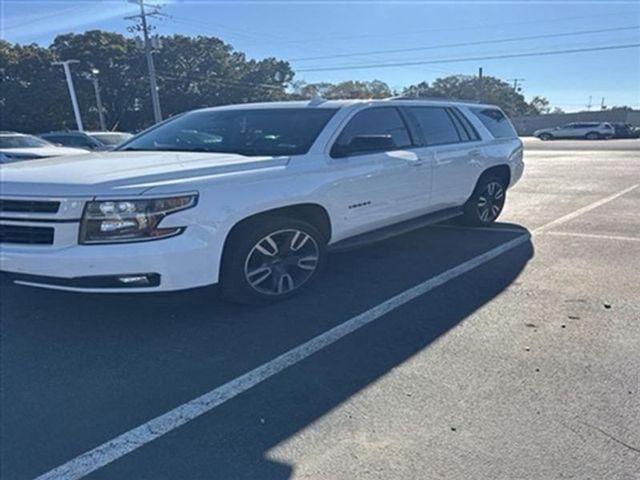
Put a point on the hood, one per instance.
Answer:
(108, 173)
(43, 152)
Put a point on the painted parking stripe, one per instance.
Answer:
(596, 236)
(584, 210)
(120, 446)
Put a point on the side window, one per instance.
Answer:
(496, 122)
(373, 129)
(56, 139)
(80, 141)
(469, 129)
(436, 124)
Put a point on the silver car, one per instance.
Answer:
(588, 130)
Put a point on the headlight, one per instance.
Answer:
(113, 221)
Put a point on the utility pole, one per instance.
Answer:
(72, 90)
(602, 105)
(480, 86)
(144, 27)
(96, 88)
(516, 81)
(589, 104)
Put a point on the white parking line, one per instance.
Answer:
(595, 236)
(583, 210)
(129, 441)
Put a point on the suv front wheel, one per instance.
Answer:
(271, 259)
(486, 203)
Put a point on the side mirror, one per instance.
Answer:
(364, 144)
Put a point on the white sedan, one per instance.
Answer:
(15, 147)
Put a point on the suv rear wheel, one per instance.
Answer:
(271, 259)
(486, 203)
(592, 136)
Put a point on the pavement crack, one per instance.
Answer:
(608, 435)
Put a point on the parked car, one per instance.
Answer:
(625, 130)
(588, 130)
(254, 196)
(18, 146)
(87, 140)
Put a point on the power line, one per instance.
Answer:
(203, 25)
(234, 83)
(449, 29)
(468, 59)
(46, 17)
(464, 44)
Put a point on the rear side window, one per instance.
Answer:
(466, 130)
(56, 139)
(495, 121)
(436, 124)
(372, 122)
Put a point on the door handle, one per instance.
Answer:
(474, 153)
(417, 162)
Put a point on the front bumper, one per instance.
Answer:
(177, 263)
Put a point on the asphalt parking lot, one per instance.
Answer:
(516, 362)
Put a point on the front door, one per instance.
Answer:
(379, 187)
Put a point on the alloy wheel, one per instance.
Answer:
(282, 262)
(490, 202)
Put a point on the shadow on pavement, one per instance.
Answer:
(81, 369)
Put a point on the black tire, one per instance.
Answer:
(593, 136)
(486, 203)
(545, 136)
(254, 271)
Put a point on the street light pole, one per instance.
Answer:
(96, 87)
(72, 91)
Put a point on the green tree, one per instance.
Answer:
(33, 92)
(344, 90)
(539, 105)
(193, 72)
(488, 90)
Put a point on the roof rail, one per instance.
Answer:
(433, 99)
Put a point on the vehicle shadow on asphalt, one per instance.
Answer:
(67, 357)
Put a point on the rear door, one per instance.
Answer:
(451, 144)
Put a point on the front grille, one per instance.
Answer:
(26, 235)
(28, 206)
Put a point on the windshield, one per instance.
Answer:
(22, 141)
(111, 139)
(257, 132)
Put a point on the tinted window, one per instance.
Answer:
(80, 141)
(375, 121)
(495, 121)
(265, 131)
(436, 125)
(22, 141)
(111, 139)
(62, 140)
(470, 132)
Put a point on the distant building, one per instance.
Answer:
(527, 124)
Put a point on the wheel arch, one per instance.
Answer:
(313, 213)
(502, 171)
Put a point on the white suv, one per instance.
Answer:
(588, 130)
(252, 196)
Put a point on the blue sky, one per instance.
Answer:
(297, 30)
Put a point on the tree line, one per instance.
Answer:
(193, 72)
